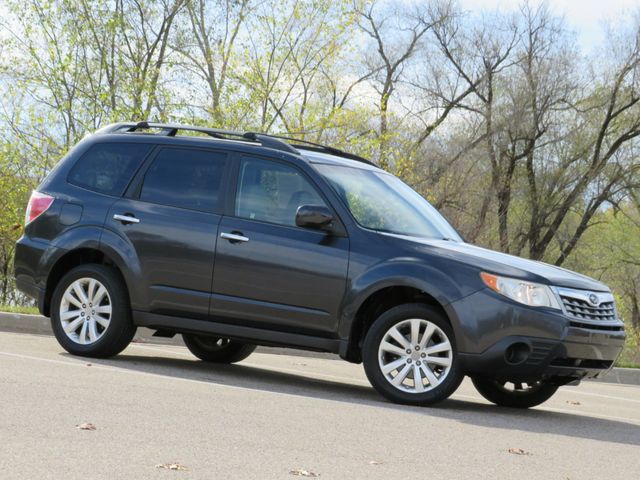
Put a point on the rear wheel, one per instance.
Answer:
(514, 394)
(410, 357)
(90, 313)
(217, 349)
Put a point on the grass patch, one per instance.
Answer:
(628, 364)
(19, 309)
(630, 356)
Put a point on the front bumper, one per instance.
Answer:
(500, 339)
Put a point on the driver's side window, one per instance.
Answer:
(272, 192)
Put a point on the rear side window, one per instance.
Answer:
(108, 167)
(185, 178)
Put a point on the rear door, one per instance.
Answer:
(171, 219)
(269, 272)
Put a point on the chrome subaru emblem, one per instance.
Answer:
(593, 299)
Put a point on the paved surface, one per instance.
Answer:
(274, 414)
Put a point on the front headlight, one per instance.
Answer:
(529, 293)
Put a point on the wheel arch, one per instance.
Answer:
(73, 258)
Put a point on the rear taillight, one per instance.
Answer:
(38, 204)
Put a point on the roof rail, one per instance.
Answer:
(270, 141)
(276, 142)
(307, 145)
(171, 130)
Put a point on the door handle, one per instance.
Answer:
(126, 218)
(234, 237)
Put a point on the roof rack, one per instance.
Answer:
(307, 145)
(171, 130)
(276, 142)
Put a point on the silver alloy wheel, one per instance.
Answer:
(415, 355)
(85, 311)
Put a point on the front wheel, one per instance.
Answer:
(514, 394)
(216, 349)
(410, 356)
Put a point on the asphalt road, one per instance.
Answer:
(275, 415)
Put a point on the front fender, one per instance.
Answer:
(404, 272)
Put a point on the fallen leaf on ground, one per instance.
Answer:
(86, 426)
(376, 462)
(573, 402)
(518, 451)
(172, 466)
(304, 473)
(88, 364)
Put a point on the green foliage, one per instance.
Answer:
(19, 309)
(630, 357)
(15, 184)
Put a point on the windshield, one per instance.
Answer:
(379, 201)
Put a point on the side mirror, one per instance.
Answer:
(313, 216)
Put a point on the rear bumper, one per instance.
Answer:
(30, 289)
(28, 258)
(531, 344)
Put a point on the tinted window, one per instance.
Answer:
(272, 192)
(185, 178)
(108, 167)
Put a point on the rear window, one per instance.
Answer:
(108, 167)
(184, 178)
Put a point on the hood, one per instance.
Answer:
(509, 265)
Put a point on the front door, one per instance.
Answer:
(269, 272)
(172, 224)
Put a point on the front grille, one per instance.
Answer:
(598, 326)
(583, 310)
(591, 310)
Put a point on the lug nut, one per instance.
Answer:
(423, 355)
(417, 347)
(418, 362)
(408, 350)
(84, 306)
(82, 314)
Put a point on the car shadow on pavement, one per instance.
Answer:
(574, 425)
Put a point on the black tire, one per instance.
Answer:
(120, 330)
(216, 349)
(370, 356)
(524, 397)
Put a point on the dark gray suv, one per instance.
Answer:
(234, 240)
